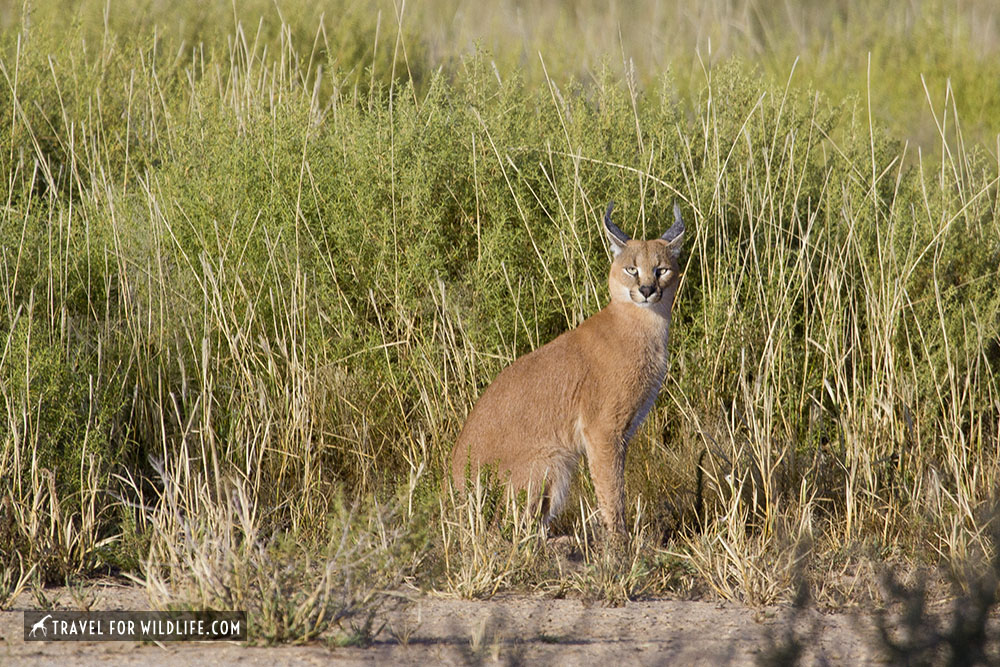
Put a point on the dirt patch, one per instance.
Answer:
(509, 630)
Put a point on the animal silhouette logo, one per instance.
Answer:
(40, 625)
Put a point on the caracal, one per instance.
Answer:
(586, 392)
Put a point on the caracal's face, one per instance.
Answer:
(644, 272)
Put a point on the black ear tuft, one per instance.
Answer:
(677, 228)
(616, 237)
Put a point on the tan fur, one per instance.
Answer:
(586, 392)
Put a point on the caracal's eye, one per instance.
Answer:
(662, 272)
(631, 270)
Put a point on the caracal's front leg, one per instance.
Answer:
(606, 458)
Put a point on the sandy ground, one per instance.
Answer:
(507, 630)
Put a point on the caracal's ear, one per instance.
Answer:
(675, 235)
(616, 237)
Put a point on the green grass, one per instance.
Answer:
(256, 268)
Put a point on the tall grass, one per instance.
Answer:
(253, 265)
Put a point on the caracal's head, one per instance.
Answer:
(645, 273)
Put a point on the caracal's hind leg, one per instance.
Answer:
(553, 488)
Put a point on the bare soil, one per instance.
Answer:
(506, 630)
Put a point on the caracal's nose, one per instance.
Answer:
(646, 290)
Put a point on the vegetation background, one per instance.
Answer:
(258, 259)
